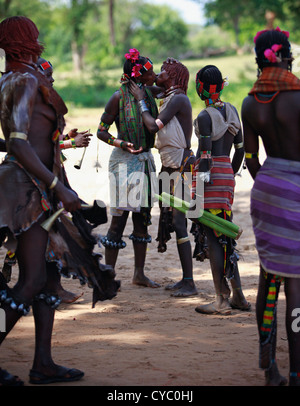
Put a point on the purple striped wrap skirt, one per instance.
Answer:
(275, 212)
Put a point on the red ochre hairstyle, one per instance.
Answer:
(178, 71)
(19, 37)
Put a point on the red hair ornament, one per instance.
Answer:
(133, 55)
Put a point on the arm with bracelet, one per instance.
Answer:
(251, 145)
(78, 139)
(204, 152)
(239, 152)
(152, 124)
(107, 119)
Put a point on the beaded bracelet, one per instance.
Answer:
(249, 155)
(103, 126)
(111, 140)
(67, 144)
(205, 156)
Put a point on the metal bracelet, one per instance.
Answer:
(142, 106)
(53, 183)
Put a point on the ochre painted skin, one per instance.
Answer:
(30, 105)
(24, 110)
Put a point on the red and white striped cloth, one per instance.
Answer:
(219, 193)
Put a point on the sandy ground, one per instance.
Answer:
(145, 337)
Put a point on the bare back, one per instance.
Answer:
(276, 122)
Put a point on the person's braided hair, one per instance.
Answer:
(179, 72)
(265, 41)
(210, 75)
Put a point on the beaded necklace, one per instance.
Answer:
(169, 91)
(217, 104)
(271, 96)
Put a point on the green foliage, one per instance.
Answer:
(85, 92)
(241, 74)
(211, 40)
(159, 31)
(83, 29)
(95, 90)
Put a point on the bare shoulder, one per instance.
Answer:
(248, 100)
(18, 88)
(204, 122)
(112, 106)
(114, 99)
(182, 100)
(203, 116)
(25, 79)
(19, 79)
(247, 105)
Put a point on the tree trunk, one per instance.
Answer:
(270, 17)
(76, 57)
(237, 32)
(111, 23)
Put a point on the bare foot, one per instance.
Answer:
(184, 288)
(142, 280)
(68, 297)
(240, 304)
(174, 286)
(220, 306)
(238, 301)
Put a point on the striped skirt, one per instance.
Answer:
(219, 193)
(275, 212)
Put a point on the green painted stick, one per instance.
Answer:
(221, 225)
(227, 225)
(184, 208)
(205, 213)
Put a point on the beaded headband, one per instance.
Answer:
(211, 93)
(45, 65)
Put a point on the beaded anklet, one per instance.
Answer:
(14, 305)
(52, 300)
(146, 239)
(112, 244)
